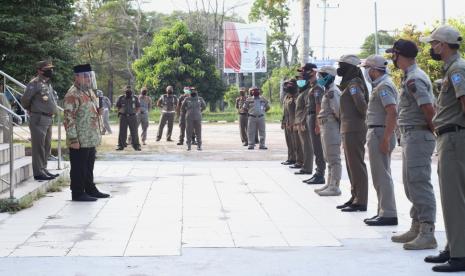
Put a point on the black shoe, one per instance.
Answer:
(262, 148)
(43, 177)
(98, 194)
(348, 203)
(372, 218)
(251, 147)
(188, 147)
(180, 143)
(288, 162)
(355, 208)
(120, 148)
(137, 149)
(442, 257)
(169, 140)
(296, 166)
(158, 139)
(199, 147)
(194, 143)
(316, 179)
(245, 144)
(302, 172)
(453, 265)
(84, 197)
(54, 175)
(382, 221)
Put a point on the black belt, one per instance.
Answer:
(448, 128)
(243, 114)
(312, 112)
(127, 115)
(375, 126)
(412, 127)
(43, 113)
(259, 116)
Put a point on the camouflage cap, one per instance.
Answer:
(445, 34)
(44, 64)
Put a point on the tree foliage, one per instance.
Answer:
(178, 57)
(37, 30)
(368, 47)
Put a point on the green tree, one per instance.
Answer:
(272, 84)
(178, 57)
(37, 30)
(368, 47)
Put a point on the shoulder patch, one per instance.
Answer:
(456, 78)
(384, 93)
(411, 86)
(353, 90)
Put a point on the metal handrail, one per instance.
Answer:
(10, 89)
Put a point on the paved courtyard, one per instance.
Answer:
(206, 213)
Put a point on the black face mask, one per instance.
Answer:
(433, 55)
(341, 71)
(128, 93)
(144, 93)
(48, 73)
(193, 94)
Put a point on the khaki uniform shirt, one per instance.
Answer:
(289, 111)
(330, 103)
(416, 90)
(39, 97)
(353, 107)
(384, 93)
(81, 118)
(449, 108)
(168, 103)
(240, 104)
(193, 107)
(127, 105)
(145, 104)
(256, 106)
(301, 110)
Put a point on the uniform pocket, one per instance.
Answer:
(419, 170)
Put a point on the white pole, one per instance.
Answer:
(323, 46)
(376, 30)
(253, 79)
(443, 12)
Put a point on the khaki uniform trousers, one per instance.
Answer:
(243, 121)
(380, 165)
(165, 118)
(299, 154)
(331, 138)
(106, 121)
(451, 171)
(41, 141)
(417, 149)
(254, 124)
(193, 126)
(316, 145)
(288, 134)
(143, 120)
(354, 151)
(307, 150)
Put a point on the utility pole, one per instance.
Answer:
(325, 6)
(443, 12)
(305, 31)
(376, 30)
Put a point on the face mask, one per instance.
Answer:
(367, 75)
(128, 93)
(186, 91)
(301, 83)
(48, 73)
(170, 92)
(341, 71)
(323, 81)
(144, 93)
(242, 94)
(193, 94)
(256, 93)
(433, 54)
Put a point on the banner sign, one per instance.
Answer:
(244, 48)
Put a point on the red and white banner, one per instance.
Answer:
(244, 48)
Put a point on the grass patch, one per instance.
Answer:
(58, 185)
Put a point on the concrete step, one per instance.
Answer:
(18, 150)
(22, 170)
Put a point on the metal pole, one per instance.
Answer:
(376, 30)
(12, 160)
(237, 81)
(323, 46)
(253, 79)
(443, 12)
(59, 141)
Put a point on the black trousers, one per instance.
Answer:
(82, 170)
(125, 122)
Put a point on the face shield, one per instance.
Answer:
(86, 80)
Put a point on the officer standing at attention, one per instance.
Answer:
(354, 99)
(128, 106)
(143, 117)
(82, 125)
(328, 124)
(449, 125)
(167, 103)
(106, 106)
(39, 100)
(242, 116)
(256, 106)
(381, 139)
(181, 115)
(416, 112)
(290, 88)
(193, 107)
(301, 112)
(314, 104)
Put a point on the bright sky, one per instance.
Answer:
(348, 25)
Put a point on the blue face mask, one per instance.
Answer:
(324, 81)
(301, 83)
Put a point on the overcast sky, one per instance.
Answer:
(349, 24)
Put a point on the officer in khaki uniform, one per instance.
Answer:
(328, 124)
(181, 115)
(128, 106)
(381, 139)
(143, 117)
(449, 124)
(301, 112)
(167, 103)
(39, 100)
(193, 107)
(416, 112)
(353, 109)
(242, 116)
(256, 106)
(287, 124)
